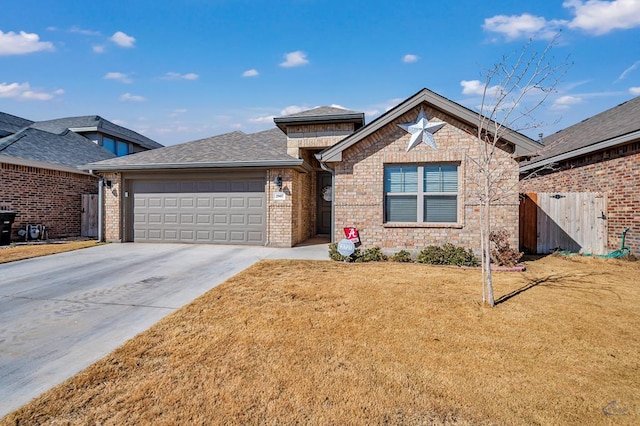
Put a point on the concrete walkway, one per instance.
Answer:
(61, 313)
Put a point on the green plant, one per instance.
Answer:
(502, 253)
(373, 254)
(402, 256)
(447, 254)
(334, 254)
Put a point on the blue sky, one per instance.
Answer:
(177, 71)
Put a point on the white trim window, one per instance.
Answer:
(421, 193)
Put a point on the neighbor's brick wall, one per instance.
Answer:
(360, 198)
(615, 172)
(113, 208)
(43, 196)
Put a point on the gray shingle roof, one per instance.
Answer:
(90, 123)
(324, 114)
(618, 121)
(10, 124)
(227, 150)
(67, 148)
(322, 111)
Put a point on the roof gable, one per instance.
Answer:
(523, 144)
(67, 148)
(10, 124)
(95, 123)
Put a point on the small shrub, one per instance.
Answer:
(502, 253)
(334, 254)
(402, 256)
(373, 254)
(448, 254)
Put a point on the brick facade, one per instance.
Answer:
(359, 195)
(615, 172)
(44, 196)
(113, 226)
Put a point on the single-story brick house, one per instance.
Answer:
(315, 173)
(39, 175)
(601, 155)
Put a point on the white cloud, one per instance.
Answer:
(119, 122)
(295, 59)
(122, 39)
(176, 112)
(595, 17)
(22, 44)
(78, 30)
(23, 91)
(251, 73)
(263, 119)
(522, 26)
(476, 87)
(178, 76)
(600, 17)
(293, 109)
(128, 97)
(98, 48)
(565, 102)
(409, 58)
(635, 91)
(118, 76)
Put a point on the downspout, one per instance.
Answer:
(100, 207)
(333, 194)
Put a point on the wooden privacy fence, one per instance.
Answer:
(573, 221)
(89, 216)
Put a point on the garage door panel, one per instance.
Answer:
(255, 219)
(154, 202)
(231, 212)
(237, 202)
(203, 202)
(203, 219)
(255, 202)
(220, 203)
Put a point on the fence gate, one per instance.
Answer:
(574, 221)
(89, 216)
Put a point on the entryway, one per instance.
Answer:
(324, 197)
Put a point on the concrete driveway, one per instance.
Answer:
(60, 313)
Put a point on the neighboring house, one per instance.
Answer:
(39, 175)
(316, 173)
(601, 155)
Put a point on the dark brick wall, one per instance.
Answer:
(615, 172)
(42, 196)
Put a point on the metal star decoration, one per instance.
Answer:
(422, 131)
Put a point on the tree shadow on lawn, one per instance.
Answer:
(562, 281)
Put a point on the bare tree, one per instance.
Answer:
(513, 90)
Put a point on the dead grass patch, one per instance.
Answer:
(11, 254)
(304, 342)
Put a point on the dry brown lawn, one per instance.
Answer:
(304, 342)
(11, 254)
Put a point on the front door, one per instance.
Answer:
(325, 191)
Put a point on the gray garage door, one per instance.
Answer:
(203, 211)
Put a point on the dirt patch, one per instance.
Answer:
(27, 251)
(304, 342)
